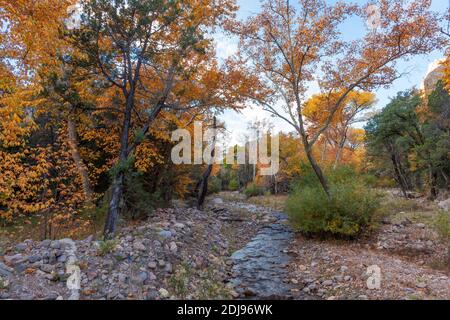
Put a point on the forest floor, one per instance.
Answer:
(404, 246)
(235, 248)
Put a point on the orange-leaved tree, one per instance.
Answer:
(292, 46)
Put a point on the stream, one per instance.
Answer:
(259, 270)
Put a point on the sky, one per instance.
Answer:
(415, 71)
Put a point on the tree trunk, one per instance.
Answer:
(337, 160)
(400, 180)
(433, 184)
(81, 168)
(318, 171)
(204, 182)
(119, 175)
(114, 206)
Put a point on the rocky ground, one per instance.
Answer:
(413, 261)
(182, 253)
(177, 253)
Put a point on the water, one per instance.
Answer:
(259, 269)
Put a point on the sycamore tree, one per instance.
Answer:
(290, 46)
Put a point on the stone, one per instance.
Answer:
(47, 268)
(140, 278)
(168, 268)
(152, 265)
(179, 225)
(347, 278)
(15, 259)
(163, 293)
(302, 268)
(363, 297)
(249, 292)
(327, 283)
(139, 246)
(421, 285)
(151, 276)
(173, 247)
(21, 247)
(46, 243)
(5, 271)
(421, 225)
(34, 258)
(217, 201)
(445, 205)
(344, 269)
(165, 234)
(161, 263)
(55, 244)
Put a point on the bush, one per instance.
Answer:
(234, 185)
(348, 213)
(214, 185)
(253, 190)
(442, 224)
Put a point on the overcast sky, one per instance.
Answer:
(416, 70)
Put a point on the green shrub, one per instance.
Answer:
(214, 185)
(442, 224)
(348, 213)
(233, 185)
(253, 190)
(106, 247)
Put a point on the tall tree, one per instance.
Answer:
(145, 48)
(290, 47)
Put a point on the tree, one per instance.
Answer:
(286, 46)
(347, 115)
(150, 50)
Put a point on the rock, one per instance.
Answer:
(161, 263)
(327, 283)
(46, 243)
(217, 201)
(140, 278)
(168, 268)
(363, 297)
(421, 285)
(151, 276)
(20, 267)
(152, 265)
(294, 281)
(344, 269)
(421, 225)
(165, 234)
(4, 283)
(55, 244)
(139, 246)
(445, 205)
(249, 292)
(347, 278)
(179, 225)
(34, 258)
(123, 278)
(234, 294)
(173, 247)
(5, 271)
(47, 268)
(15, 259)
(163, 293)
(21, 247)
(302, 268)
